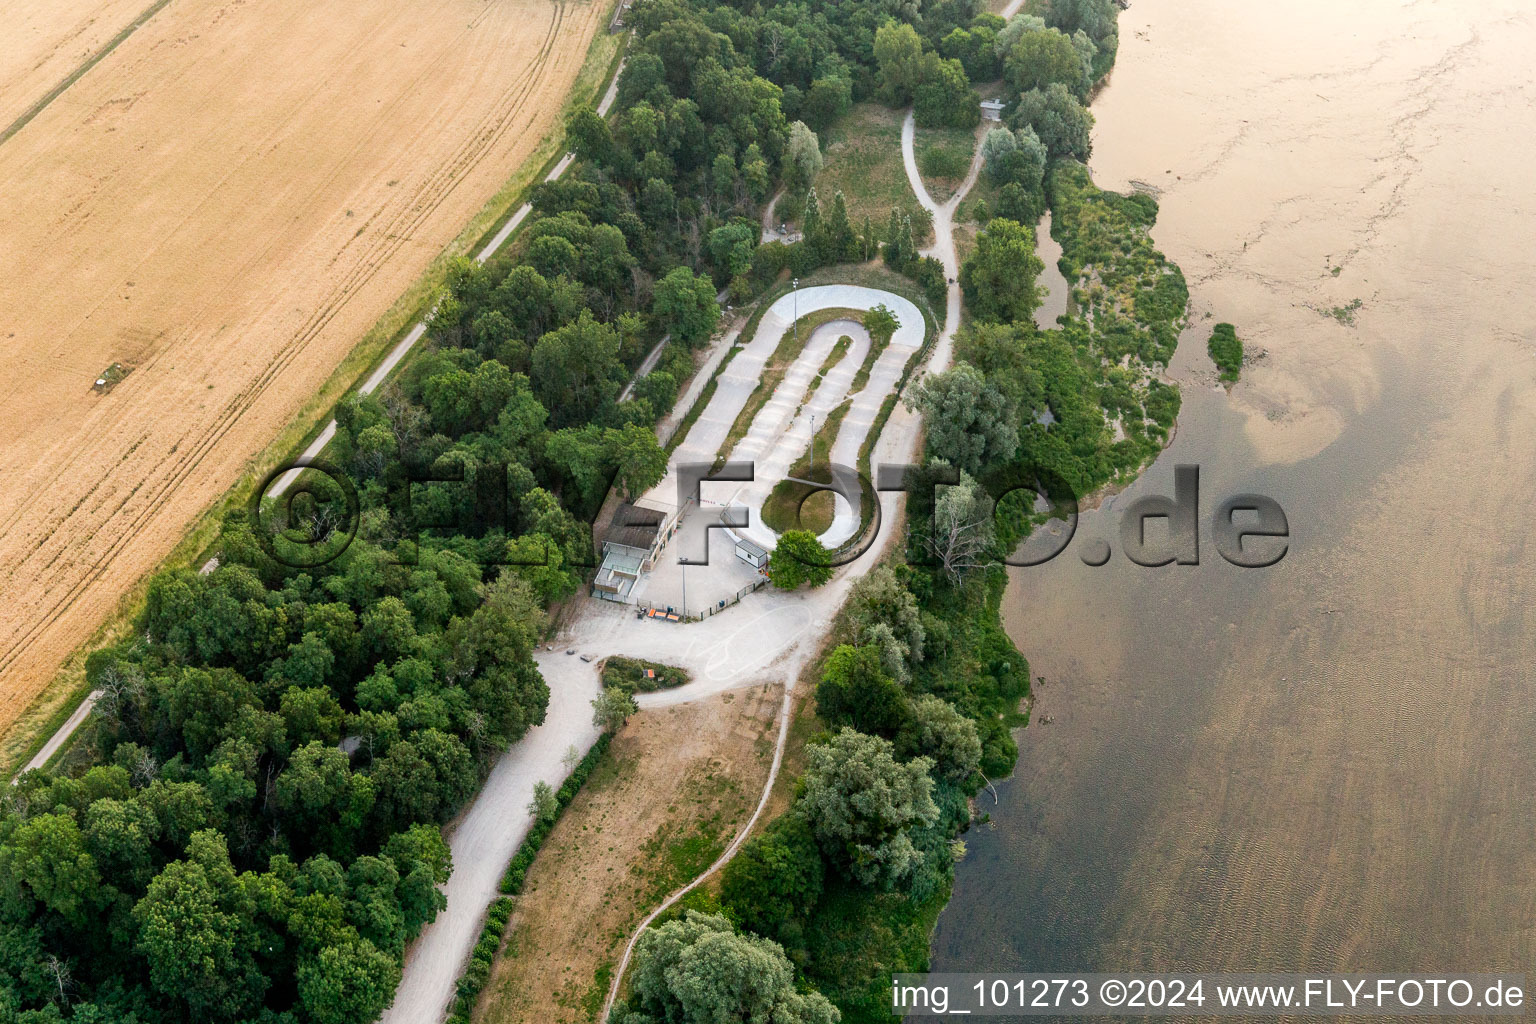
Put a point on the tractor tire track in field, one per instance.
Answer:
(81, 71)
(386, 243)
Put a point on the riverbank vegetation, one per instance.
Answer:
(917, 692)
(1226, 351)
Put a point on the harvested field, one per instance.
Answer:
(45, 41)
(677, 785)
(224, 205)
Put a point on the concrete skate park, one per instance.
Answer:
(672, 550)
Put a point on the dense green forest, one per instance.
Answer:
(249, 828)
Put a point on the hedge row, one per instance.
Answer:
(478, 970)
(512, 881)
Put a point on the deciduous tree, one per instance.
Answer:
(612, 708)
(543, 806)
(947, 736)
(998, 277)
(776, 878)
(798, 559)
(962, 534)
(968, 420)
(698, 970)
(862, 805)
(685, 305)
(802, 157)
(856, 690)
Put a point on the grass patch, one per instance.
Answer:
(839, 350)
(636, 675)
(1346, 314)
(861, 376)
(792, 505)
(862, 159)
(1226, 350)
(678, 857)
(943, 158)
(674, 788)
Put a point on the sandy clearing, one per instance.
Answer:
(671, 774)
(226, 203)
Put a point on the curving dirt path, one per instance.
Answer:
(943, 234)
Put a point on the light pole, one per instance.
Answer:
(683, 565)
(794, 290)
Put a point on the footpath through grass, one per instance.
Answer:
(862, 160)
(944, 157)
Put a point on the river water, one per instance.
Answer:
(1330, 763)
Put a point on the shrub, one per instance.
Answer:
(944, 162)
(1226, 350)
(629, 675)
(512, 880)
(776, 879)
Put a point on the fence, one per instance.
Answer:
(644, 607)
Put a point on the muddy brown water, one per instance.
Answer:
(1330, 763)
(1053, 286)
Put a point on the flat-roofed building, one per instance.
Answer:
(753, 554)
(636, 535)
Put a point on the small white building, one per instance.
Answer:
(992, 110)
(753, 554)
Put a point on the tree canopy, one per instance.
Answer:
(862, 805)
(799, 559)
(998, 277)
(698, 970)
(969, 420)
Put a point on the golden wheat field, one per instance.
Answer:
(46, 40)
(224, 203)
